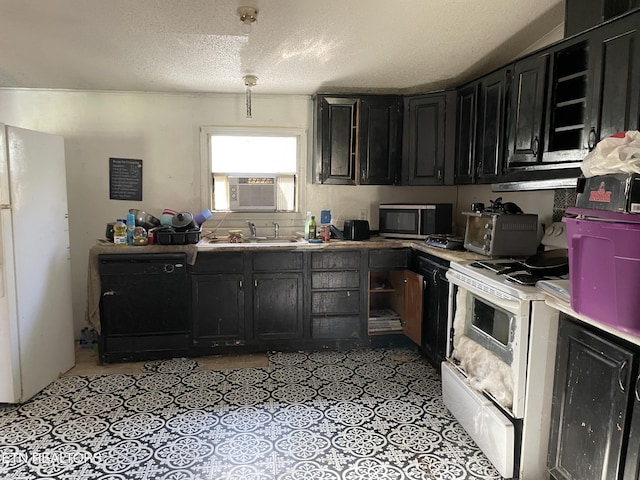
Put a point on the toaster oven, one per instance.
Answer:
(501, 234)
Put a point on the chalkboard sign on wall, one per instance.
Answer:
(125, 179)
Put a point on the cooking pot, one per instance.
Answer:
(144, 219)
(182, 221)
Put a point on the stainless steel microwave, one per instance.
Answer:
(400, 220)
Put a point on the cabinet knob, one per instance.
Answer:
(593, 139)
(535, 147)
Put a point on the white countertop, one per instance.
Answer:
(566, 308)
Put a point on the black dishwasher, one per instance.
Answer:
(144, 306)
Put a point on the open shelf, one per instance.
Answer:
(384, 300)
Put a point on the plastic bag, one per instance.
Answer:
(619, 153)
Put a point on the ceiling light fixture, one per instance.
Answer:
(249, 82)
(248, 16)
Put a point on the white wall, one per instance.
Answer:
(164, 131)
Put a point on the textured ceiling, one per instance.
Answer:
(296, 46)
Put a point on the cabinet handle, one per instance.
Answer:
(240, 284)
(255, 283)
(535, 147)
(636, 389)
(439, 174)
(348, 293)
(622, 367)
(435, 277)
(109, 293)
(593, 139)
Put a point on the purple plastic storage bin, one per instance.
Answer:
(604, 271)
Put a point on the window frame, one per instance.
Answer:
(206, 183)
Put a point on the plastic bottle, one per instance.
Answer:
(131, 225)
(120, 233)
(202, 217)
(312, 228)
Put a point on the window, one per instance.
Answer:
(254, 169)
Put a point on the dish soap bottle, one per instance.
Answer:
(312, 228)
(120, 233)
(306, 226)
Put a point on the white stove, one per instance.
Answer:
(480, 275)
(498, 376)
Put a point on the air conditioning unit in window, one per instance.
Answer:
(252, 192)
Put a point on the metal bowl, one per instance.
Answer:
(144, 219)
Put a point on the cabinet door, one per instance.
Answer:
(589, 413)
(632, 462)
(435, 304)
(277, 306)
(337, 139)
(428, 151)
(490, 135)
(616, 85)
(581, 15)
(526, 112)
(412, 315)
(379, 144)
(218, 309)
(466, 134)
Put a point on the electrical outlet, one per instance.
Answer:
(364, 214)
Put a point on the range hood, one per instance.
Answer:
(528, 178)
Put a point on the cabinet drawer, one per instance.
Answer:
(277, 261)
(389, 258)
(218, 262)
(344, 260)
(335, 327)
(342, 301)
(348, 279)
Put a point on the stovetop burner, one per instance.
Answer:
(513, 271)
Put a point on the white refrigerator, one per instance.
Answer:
(36, 324)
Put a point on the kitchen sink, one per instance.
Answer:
(271, 239)
(252, 241)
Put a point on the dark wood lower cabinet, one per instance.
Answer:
(254, 301)
(435, 306)
(218, 308)
(277, 306)
(594, 432)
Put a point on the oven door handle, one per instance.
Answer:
(508, 304)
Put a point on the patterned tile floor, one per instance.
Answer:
(358, 415)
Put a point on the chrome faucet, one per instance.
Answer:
(252, 228)
(276, 230)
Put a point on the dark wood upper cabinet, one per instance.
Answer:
(490, 137)
(526, 112)
(615, 94)
(568, 114)
(480, 135)
(337, 139)
(379, 149)
(466, 134)
(428, 148)
(580, 15)
(357, 139)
